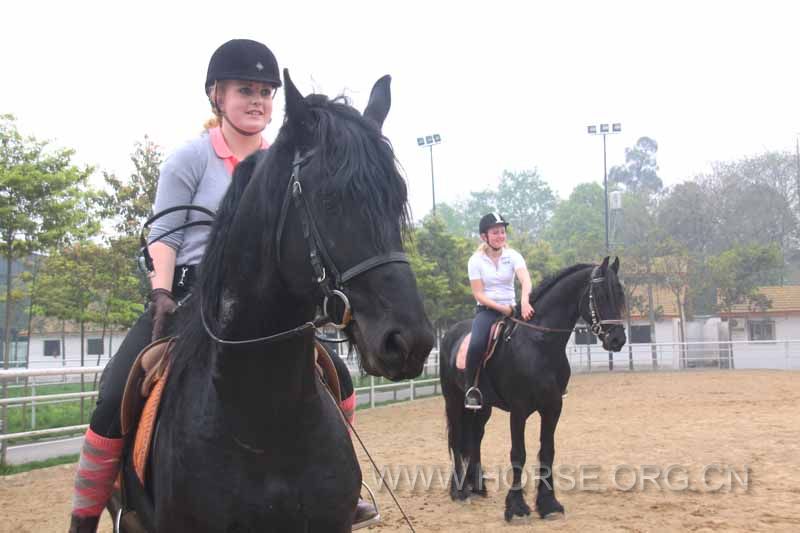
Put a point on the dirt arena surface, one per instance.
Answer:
(746, 422)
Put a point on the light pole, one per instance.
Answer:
(615, 128)
(430, 141)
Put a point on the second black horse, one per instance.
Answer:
(528, 372)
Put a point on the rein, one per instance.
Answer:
(597, 321)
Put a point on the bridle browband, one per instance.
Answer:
(333, 284)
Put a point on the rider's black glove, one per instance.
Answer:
(162, 306)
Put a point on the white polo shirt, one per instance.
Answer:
(498, 281)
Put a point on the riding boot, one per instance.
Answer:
(473, 399)
(94, 480)
(365, 515)
(83, 524)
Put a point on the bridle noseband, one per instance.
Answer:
(331, 281)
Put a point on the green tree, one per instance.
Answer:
(639, 174)
(526, 201)
(131, 202)
(448, 254)
(44, 201)
(577, 229)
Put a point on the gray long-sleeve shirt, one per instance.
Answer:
(193, 174)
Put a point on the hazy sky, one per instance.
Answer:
(508, 85)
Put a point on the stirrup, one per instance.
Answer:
(470, 402)
(372, 520)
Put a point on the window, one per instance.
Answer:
(94, 346)
(52, 348)
(761, 330)
(584, 336)
(641, 334)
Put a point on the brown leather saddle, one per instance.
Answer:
(494, 338)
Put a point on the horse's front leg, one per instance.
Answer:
(515, 499)
(546, 503)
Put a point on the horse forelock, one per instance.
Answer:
(357, 166)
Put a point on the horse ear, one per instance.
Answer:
(604, 264)
(615, 265)
(297, 111)
(380, 100)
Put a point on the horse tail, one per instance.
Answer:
(454, 397)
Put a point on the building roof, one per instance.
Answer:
(663, 302)
(785, 300)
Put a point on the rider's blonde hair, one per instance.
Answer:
(216, 120)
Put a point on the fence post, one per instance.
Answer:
(786, 351)
(33, 402)
(411, 389)
(372, 391)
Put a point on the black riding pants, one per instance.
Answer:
(106, 419)
(481, 326)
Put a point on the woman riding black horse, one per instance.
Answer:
(528, 372)
(248, 437)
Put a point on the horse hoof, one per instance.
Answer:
(555, 516)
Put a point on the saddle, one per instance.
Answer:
(142, 397)
(495, 333)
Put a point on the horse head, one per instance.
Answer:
(604, 305)
(340, 232)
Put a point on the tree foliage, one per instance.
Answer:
(639, 174)
(44, 200)
(131, 202)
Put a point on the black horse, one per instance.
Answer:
(248, 439)
(528, 372)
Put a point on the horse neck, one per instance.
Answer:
(267, 387)
(559, 307)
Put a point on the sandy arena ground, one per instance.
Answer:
(747, 421)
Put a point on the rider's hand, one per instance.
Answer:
(162, 306)
(527, 311)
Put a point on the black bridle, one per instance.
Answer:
(331, 281)
(597, 320)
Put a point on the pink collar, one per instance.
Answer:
(224, 152)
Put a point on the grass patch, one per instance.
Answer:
(7, 470)
(49, 413)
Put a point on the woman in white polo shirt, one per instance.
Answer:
(491, 276)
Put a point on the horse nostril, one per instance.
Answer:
(395, 344)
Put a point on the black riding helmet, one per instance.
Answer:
(243, 59)
(492, 219)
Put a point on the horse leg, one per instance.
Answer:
(546, 503)
(454, 406)
(475, 470)
(515, 499)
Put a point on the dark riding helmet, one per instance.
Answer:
(492, 219)
(243, 59)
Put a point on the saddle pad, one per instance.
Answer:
(494, 335)
(147, 423)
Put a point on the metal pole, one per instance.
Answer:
(433, 187)
(797, 155)
(608, 248)
(605, 187)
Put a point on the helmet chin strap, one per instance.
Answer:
(239, 130)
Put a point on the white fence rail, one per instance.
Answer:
(781, 354)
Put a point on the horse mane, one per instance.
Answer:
(549, 282)
(355, 167)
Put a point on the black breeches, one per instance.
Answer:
(481, 327)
